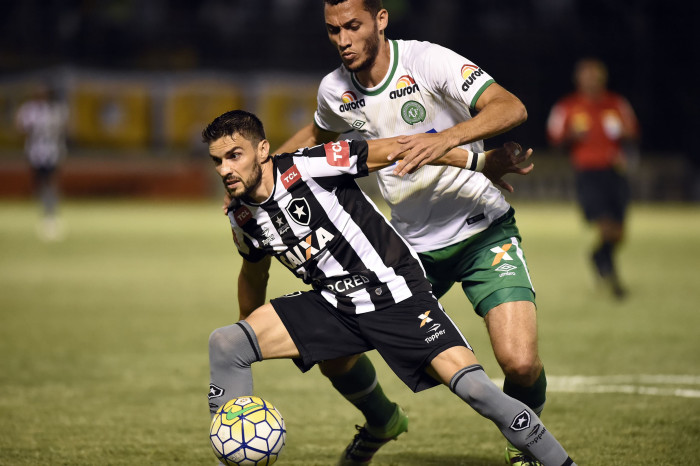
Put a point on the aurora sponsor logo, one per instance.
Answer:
(470, 73)
(350, 102)
(404, 86)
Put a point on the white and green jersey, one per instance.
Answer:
(428, 89)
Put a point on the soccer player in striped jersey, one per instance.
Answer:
(368, 287)
(457, 220)
(44, 120)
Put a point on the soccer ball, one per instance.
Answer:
(247, 431)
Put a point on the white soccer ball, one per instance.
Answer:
(247, 431)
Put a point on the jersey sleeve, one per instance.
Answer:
(451, 74)
(344, 158)
(556, 123)
(244, 244)
(324, 116)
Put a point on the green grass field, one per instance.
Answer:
(103, 344)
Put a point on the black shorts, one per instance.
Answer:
(408, 335)
(602, 194)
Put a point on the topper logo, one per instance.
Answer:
(338, 153)
(290, 177)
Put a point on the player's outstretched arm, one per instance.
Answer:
(252, 285)
(499, 111)
(494, 163)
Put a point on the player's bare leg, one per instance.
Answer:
(458, 368)
(234, 348)
(512, 328)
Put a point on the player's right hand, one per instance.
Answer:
(504, 160)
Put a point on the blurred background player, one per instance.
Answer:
(458, 221)
(599, 128)
(43, 120)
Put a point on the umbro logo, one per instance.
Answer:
(505, 268)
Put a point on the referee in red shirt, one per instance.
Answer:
(598, 127)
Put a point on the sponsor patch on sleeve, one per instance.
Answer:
(242, 215)
(290, 177)
(338, 153)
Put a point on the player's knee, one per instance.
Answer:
(477, 390)
(218, 344)
(230, 346)
(522, 368)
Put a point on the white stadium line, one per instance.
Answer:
(684, 386)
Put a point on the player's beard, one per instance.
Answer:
(249, 184)
(371, 50)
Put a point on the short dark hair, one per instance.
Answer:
(235, 121)
(373, 6)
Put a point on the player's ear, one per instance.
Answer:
(382, 20)
(263, 150)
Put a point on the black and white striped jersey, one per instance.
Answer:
(320, 225)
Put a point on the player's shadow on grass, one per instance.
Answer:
(432, 459)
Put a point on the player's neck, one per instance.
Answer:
(375, 74)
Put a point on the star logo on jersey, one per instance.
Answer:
(501, 253)
(521, 421)
(299, 210)
(280, 223)
(412, 112)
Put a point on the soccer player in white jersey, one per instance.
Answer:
(368, 287)
(457, 220)
(43, 120)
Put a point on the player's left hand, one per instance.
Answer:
(419, 149)
(504, 160)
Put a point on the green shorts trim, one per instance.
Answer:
(490, 266)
